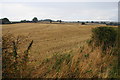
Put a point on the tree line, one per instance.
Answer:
(35, 20)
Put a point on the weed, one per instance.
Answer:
(86, 55)
(14, 64)
(88, 71)
(59, 59)
(114, 70)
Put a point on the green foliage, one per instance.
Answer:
(59, 59)
(114, 71)
(35, 19)
(104, 37)
(5, 21)
(89, 71)
(86, 55)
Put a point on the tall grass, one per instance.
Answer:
(14, 57)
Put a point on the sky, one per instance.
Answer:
(73, 10)
(59, 0)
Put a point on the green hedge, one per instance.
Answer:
(104, 36)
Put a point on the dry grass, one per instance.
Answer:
(59, 50)
(86, 64)
(50, 38)
(14, 57)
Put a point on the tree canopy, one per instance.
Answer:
(5, 21)
(35, 19)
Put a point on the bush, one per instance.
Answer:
(104, 37)
(14, 59)
(83, 23)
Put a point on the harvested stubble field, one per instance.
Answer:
(49, 39)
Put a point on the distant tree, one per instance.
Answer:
(103, 22)
(4, 21)
(60, 21)
(23, 21)
(35, 19)
(92, 22)
(50, 21)
(83, 23)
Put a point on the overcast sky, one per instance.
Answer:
(68, 11)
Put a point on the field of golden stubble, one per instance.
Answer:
(51, 38)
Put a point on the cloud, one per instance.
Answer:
(63, 11)
(17, 11)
